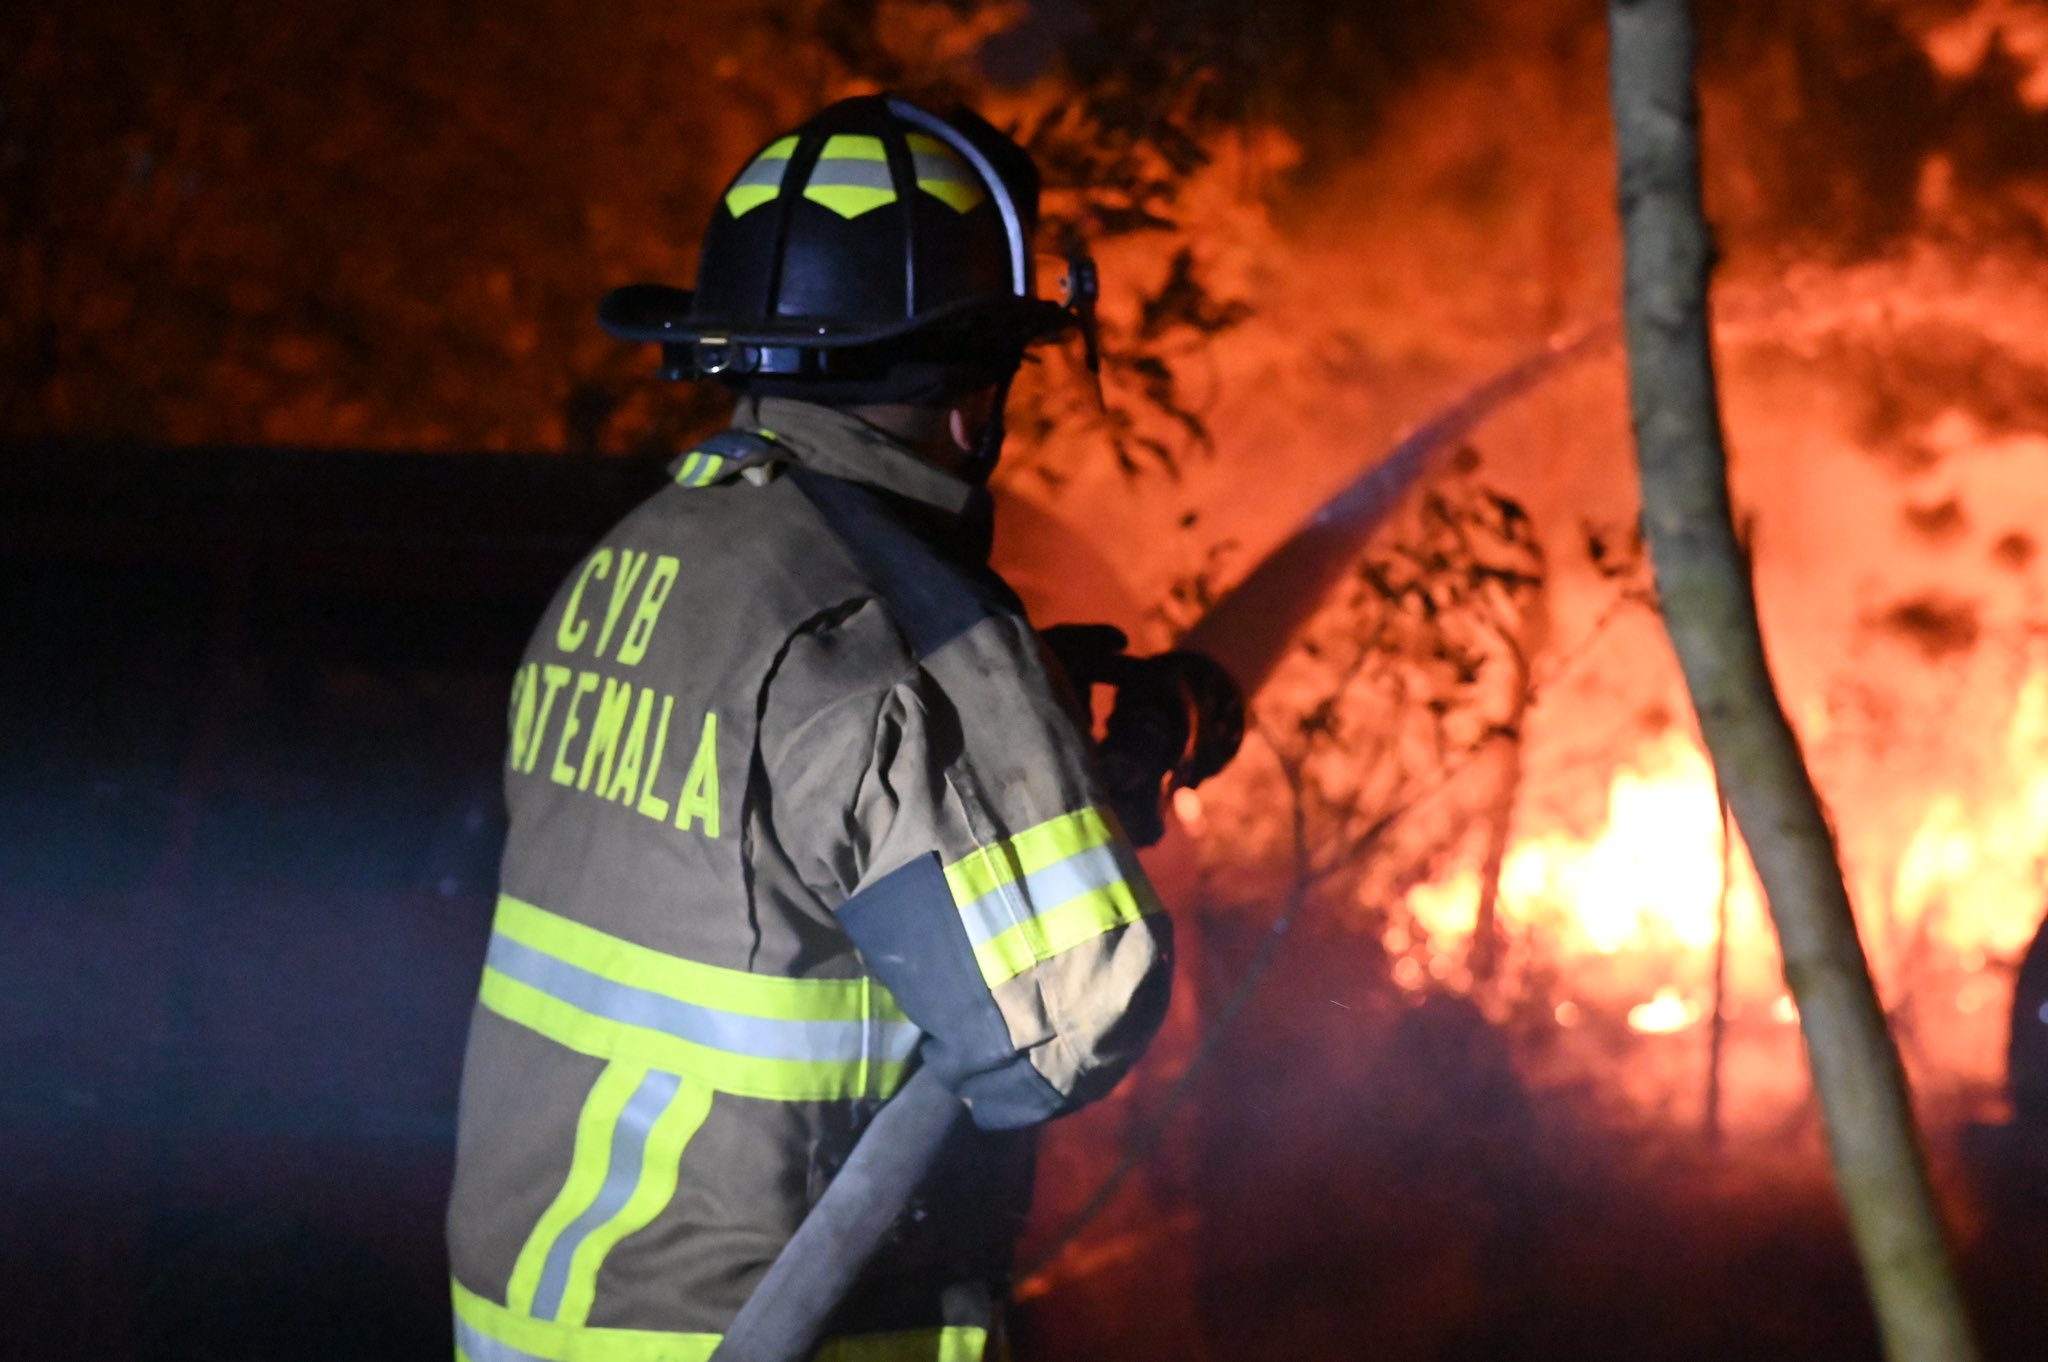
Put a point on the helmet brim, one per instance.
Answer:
(661, 314)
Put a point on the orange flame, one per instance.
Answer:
(1633, 910)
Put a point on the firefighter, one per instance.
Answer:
(798, 801)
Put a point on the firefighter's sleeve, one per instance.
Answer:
(976, 869)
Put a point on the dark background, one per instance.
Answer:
(252, 708)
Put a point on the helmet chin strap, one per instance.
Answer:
(988, 443)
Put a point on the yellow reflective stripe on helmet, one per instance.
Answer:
(852, 175)
(708, 474)
(748, 1034)
(761, 180)
(942, 173)
(688, 468)
(486, 1332)
(1046, 890)
(853, 146)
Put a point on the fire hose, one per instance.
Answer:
(1244, 635)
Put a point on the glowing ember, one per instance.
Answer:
(1663, 1014)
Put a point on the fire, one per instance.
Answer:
(1654, 874)
(1649, 880)
(1973, 871)
(1883, 409)
(1634, 910)
(1667, 1012)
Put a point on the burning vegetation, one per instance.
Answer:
(1481, 1047)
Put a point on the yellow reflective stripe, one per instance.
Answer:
(1046, 890)
(487, 1332)
(777, 1080)
(988, 868)
(481, 1324)
(956, 1343)
(852, 175)
(754, 1035)
(849, 200)
(659, 1162)
(961, 198)
(943, 175)
(594, 1126)
(1059, 928)
(853, 146)
(762, 179)
(700, 468)
(732, 990)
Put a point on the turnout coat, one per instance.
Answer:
(797, 804)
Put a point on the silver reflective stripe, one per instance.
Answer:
(1084, 872)
(764, 173)
(701, 469)
(846, 171)
(622, 1175)
(943, 168)
(838, 1042)
(481, 1347)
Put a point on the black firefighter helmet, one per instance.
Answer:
(879, 253)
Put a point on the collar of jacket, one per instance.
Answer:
(951, 512)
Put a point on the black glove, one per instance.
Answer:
(1087, 653)
(1178, 719)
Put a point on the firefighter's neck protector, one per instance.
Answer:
(879, 253)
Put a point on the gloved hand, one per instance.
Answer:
(1087, 653)
(1178, 719)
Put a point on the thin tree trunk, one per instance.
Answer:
(1710, 611)
(1485, 954)
(1717, 1028)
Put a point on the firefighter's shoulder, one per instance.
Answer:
(932, 596)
